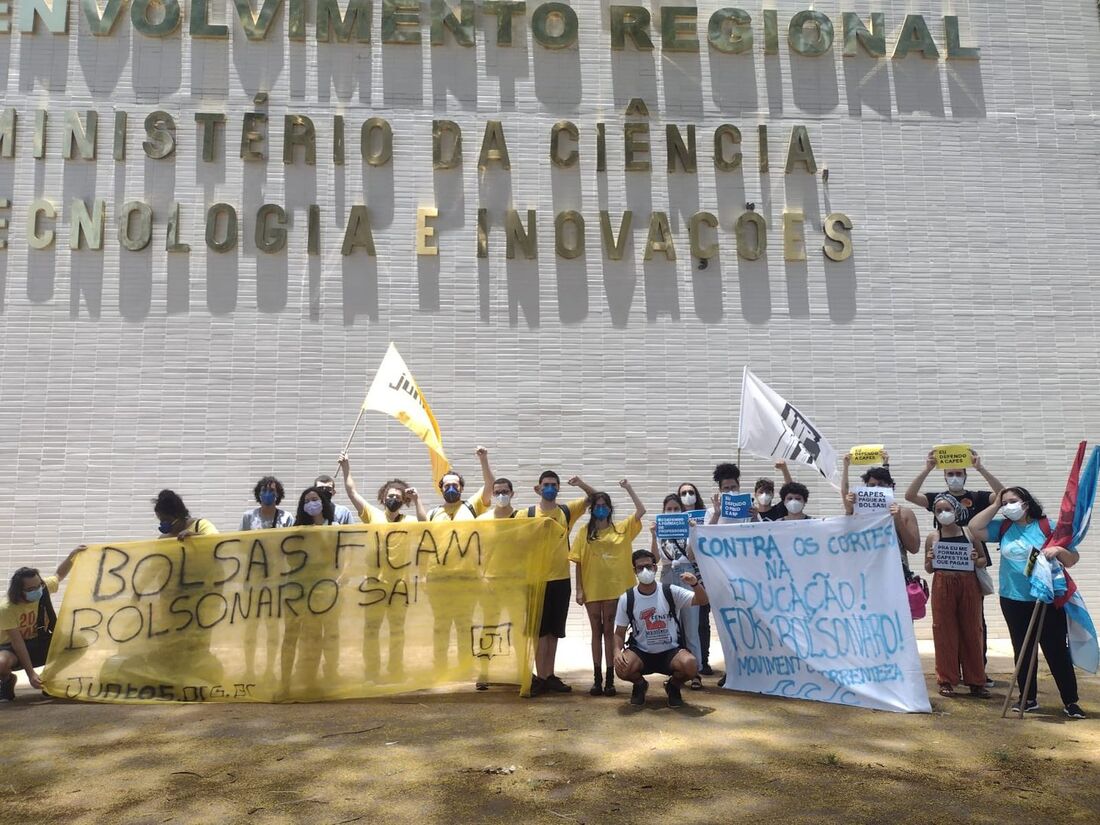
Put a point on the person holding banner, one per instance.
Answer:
(905, 523)
(604, 571)
(393, 495)
(675, 562)
(451, 486)
(951, 556)
(555, 605)
(1017, 521)
(327, 486)
(269, 493)
(26, 623)
(176, 521)
(503, 491)
(656, 642)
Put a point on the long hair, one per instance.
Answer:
(698, 496)
(1034, 508)
(674, 498)
(393, 482)
(170, 504)
(15, 586)
(304, 519)
(592, 499)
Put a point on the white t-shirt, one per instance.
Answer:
(654, 626)
(252, 520)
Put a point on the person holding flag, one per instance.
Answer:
(1017, 520)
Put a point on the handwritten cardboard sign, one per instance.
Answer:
(952, 456)
(949, 555)
(873, 500)
(867, 454)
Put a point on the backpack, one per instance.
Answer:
(39, 646)
(531, 513)
(435, 511)
(666, 588)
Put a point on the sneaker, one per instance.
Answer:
(637, 695)
(675, 700)
(1073, 711)
(553, 683)
(1032, 706)
(706, 670)
(7, 689)
(538, 686)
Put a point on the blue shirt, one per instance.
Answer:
(1016, 546)
(343, 515)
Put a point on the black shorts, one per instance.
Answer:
(656, 662)
(555, 608)
(37, 648)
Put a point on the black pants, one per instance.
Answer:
(1052, 640)
(704, 634)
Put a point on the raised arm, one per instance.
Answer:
(639, 508)
(487, 477)
(577, 481)
(979, 524)
(846, 499)
(67, 565)
(913, 495)
(414, 497)
(701, 596)
(781, 465)
(908, 532)
(715, 508)
(354, 495)
(995, 486)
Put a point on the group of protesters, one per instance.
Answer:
(616, 582)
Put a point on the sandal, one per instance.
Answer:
(947, 690)
(696, 683)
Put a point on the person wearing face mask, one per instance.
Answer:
(176, 521)
(764, 505)
(27, 619)
(956, 604)
(675, 561)
(602, 555)
(392, 496)
(728, 478)
(340, 514)
(656, 642)
(1016, 520)
(905, 523)
(503, 491)
(555, 605)
(268, 493)
(451, 486)
(971, 502)
(315, 509)
(793, 497)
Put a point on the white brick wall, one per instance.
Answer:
(969, 310)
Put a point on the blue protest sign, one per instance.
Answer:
(736, 505)
(675, 526)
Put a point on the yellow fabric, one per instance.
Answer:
(23, 616)
(559, 568)
(605, 567)
(375, 515)
(202, 527)
(303, 614)
(459, 511)
(395, 392)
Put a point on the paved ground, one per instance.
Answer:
(461, 756)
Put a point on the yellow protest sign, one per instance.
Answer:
(952, 456)
(304, 614)
(867, 454)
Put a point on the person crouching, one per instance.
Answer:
(656, 640)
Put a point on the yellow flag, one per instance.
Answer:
(395, 392)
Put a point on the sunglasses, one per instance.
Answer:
(638, 569)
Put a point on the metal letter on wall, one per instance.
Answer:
(800, 151)
(358, 234)
(135, 235)
(212, 218)
(271, 236)
(695, 225)
(54, 13)
(8, 119)
(257, 24)
(85, 226)
(632, 22)
(727, 133)
(678, 29)
(81, 136)
(139, 17)
(856, 35)
(660, 237)
(202, 27)
(794, 237)
(915, 37)
(102, 24)
(517, 236)
(160, 130)
(838, 228)
(615, 248)
(446, 155)
(632, 144)
(298, 130)
(382, 155)
(461, 27)
(955, 49)
(540, 25)
(400, 22)
(730, 31)
(505, 10)
(574, 220)
(424, 232)
(570, 129)
(36, 239)
(493, 147)
(356, 21)
(253, 135)
(751, 250)
(816, 43)
(677, 151)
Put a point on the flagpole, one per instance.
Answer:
(1020, 662)
(1033, 666)
(352, 436)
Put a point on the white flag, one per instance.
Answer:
(772, 428)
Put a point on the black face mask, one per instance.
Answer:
(393, 504)
(326, 493)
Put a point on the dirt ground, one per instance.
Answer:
(463, 756)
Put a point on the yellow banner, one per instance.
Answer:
(304, 614)
(867, 454)
(952, 456)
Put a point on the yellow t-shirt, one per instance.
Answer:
(606, 571)
(491, 514)
(460, 510)
(559, 569)
(198, 526)
(22, 616)
(375, 515)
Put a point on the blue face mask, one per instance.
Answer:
(166, 527)
(267, 497)
(549, 491)
(451, 493)
(601, 511)
(33, 595)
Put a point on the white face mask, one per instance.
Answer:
(313, 508)
(956, 483)
(502, 499)
(764, 499)
(794, 506)
(688, 499)
(1013, 511)
(945, 517)
(646, 576)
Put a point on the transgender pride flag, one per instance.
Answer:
(1050, 582)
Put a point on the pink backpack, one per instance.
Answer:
(917, 591)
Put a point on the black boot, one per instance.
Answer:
(597, 688)
(609, 685)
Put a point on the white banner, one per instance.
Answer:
(771, 428)
(814, 609)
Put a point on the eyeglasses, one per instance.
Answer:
(639, 569)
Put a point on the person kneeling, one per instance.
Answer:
(656, 641)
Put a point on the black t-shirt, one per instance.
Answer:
(972, 501)
(774, 514)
